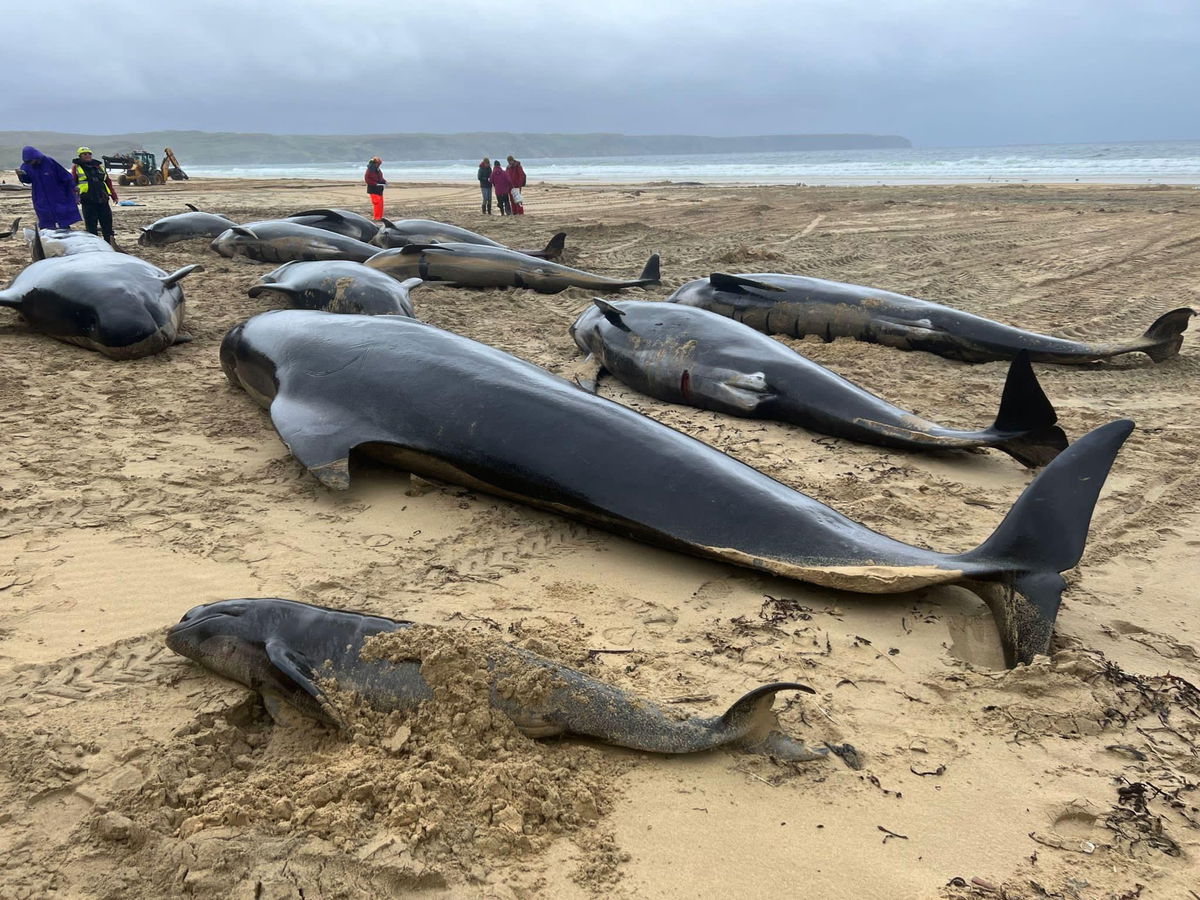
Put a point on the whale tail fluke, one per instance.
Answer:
(1043, 535)
(1025, 408)
(1165, 336)
(748, 723)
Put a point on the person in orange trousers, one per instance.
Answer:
(375, 182)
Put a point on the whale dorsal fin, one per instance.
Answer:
(243, 231)
(736, 284)
(612, 312)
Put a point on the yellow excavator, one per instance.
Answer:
(141, 168)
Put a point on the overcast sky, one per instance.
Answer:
(940, 72)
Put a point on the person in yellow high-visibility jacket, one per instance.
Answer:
(95, 191)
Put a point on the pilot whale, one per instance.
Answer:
(798, 305)
(444, 406)
(283, 650)
(682, 354)
(473, 265)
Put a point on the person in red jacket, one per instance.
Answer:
(516, 174)
(503, 185)
(375, 182)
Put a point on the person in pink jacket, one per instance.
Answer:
(516, 174)
(503, 185)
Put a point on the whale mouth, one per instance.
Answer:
(201, 615)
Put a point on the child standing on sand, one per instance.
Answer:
(375, 182)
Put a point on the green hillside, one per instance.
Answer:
(226, 148)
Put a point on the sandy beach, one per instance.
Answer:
(132, 491)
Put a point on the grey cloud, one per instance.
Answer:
(939, 72)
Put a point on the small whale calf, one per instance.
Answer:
(473, 265)
(798, 305)
(283, 650)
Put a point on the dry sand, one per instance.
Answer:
(131, 491)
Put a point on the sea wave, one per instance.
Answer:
(1175, 162)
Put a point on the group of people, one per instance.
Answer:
(507, 183)
(58, 195)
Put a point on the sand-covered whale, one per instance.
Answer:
(338, 286)
(284, 650)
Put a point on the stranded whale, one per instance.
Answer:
(798, 305)
(283, 649)
(441, 405)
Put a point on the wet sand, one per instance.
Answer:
(132, 491)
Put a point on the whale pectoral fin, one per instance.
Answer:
(320, 448)
(895, 332)
(587, 373)
(532, 725)
(193, 207)
(183, 337)
(295, 667)
(744, 390)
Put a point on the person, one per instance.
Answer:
(375, 182)
(95, 191)
(503, 186)
(53, 189)
(516, 174)
(485, 185)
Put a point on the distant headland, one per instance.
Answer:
(228, 148)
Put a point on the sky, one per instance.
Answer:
(939, 72)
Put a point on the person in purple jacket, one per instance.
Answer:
(503, 185)
(53, 189)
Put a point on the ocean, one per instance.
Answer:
(1155, 162)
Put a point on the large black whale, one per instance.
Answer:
(441, 405)
(283, 649)
(798, 305)
(113, 303)
(682, 354)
